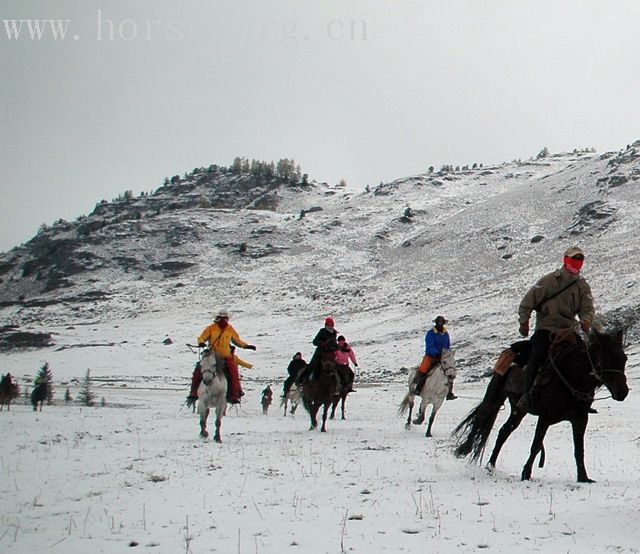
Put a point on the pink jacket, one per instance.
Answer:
(343, 357)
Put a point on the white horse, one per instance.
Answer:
(212, 393)
(292, 399)
(433, 391)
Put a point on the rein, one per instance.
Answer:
(596, 371)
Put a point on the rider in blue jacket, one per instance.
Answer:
(435, 341)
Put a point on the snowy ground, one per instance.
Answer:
(135, 473)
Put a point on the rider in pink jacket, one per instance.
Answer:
(344, 354)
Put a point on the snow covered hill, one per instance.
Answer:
(282, 255)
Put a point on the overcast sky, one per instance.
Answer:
(365, 90)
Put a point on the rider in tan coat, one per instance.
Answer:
(557, 298)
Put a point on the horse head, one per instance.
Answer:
(608, 361)
(447, 360)
(208, 366)
(328, 361)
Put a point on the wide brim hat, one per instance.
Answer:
(441, 318)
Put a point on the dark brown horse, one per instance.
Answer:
(39, 395)
(8, 391)
(566, 389)
(321, 390)
(346, 386)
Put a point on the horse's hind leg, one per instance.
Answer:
(344, 399)
(419, 419)
(407, 425)
(512, 423)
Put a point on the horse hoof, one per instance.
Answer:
(204, 434)
(418, 420)
(490, 469)
(407, 426)
(217, 439)
(586, 480)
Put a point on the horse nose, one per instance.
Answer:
(622, 394)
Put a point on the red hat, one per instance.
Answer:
(329, 322)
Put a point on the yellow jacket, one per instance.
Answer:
(220, 339)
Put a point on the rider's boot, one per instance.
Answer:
(450, 395)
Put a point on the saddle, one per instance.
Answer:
(517, 354)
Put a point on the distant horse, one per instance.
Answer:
(565, 392)
(39, 395)
(292, 399)
(8, 391)
(267, 398)
(322, 390)
(433, 391)
(346, 387)
(212, 393)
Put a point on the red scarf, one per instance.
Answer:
(572, 265)
(222, 323)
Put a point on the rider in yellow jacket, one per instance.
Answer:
(220, 335)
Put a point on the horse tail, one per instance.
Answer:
(404, 405)
(473, 431)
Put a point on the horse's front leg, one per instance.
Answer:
(434, 411)
(204, 414)
(344, 399)
(314, 416)
(536, 447)
(512, 423)
(323, 429)
(579, 426)
(334, 405)
(217, 437)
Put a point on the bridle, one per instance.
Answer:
(596, 371)
(208, 373)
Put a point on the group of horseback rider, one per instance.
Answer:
(222, 338)
(327, 342)
(557, 298)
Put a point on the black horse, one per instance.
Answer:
(321, 390)
(8, 391)
(565, 390)
(39, 395)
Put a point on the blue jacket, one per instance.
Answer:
(435, 342)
